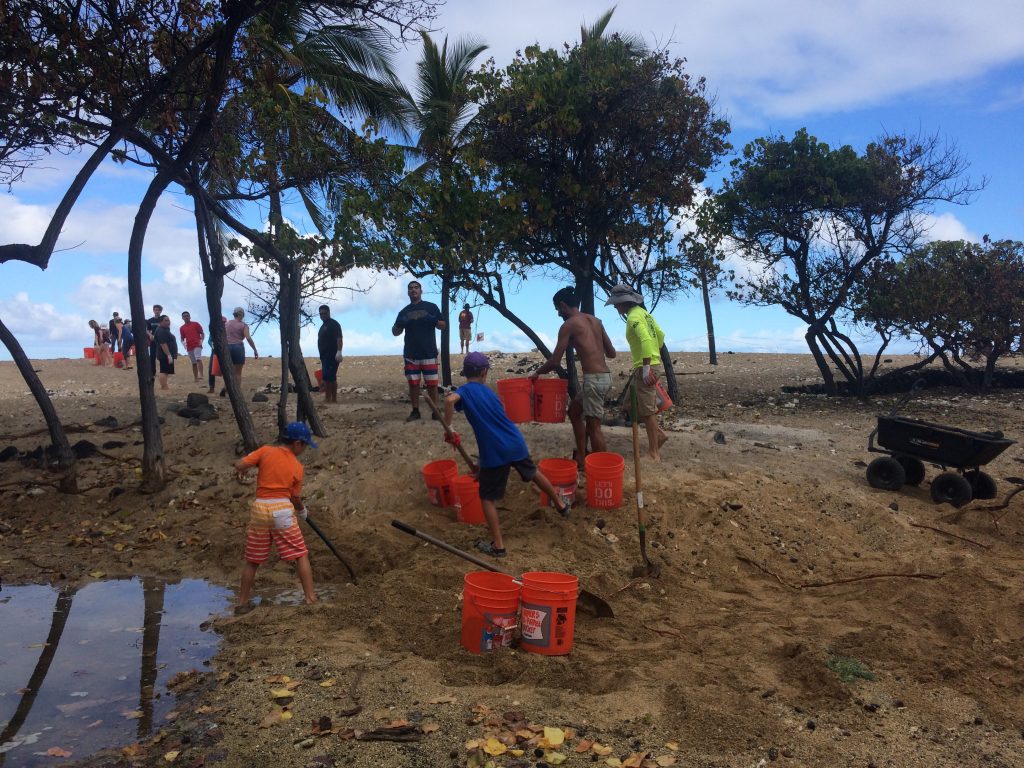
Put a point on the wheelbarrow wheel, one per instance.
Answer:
(913, 468)
(983, 485)
(886, 473)
(951, 488)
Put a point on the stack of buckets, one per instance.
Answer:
(542, 609)
(447, 488)
(525, 400)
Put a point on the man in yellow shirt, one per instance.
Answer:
(645, 339)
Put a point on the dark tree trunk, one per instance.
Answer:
(152, 611)
(211, 257)
(284, 282)
(823, 367)
(706, 295)
(65, 457)
(154, 470)
(446, 291)
(61, 611)
(585, 289)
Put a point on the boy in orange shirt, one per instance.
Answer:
(275, 512)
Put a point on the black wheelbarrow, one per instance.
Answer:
(909, 443)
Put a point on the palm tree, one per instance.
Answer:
(441, 113)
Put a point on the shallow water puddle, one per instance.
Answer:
(86, 669)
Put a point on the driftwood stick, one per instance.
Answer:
(951, 535)
(834, 582)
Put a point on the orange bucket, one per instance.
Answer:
(438, 476)
(89, 352)
(517, 398)
(563, 475)
(549, 400)
(548, 612)
(604, 479)
(119, 359)
(468, 508)
(215, 367)
(490, 604)
(319, 376)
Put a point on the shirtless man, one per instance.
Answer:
(588, 337)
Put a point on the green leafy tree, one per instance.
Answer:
(812, 220)
(963, 301)
(594, 149)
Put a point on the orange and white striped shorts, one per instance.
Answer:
(273, 521)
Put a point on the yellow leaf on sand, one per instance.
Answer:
(665, 760)
(473, 744)
(280, 693)
(277, 679)
(634, 760)
(614, 762)
(600, 749)
(328, 683)
(517, 752)
(556, 758)
(286, 715)
(97, 574)
(555, 736)
(171, 756)
(673, 745)
(429, 727)
(494, 747)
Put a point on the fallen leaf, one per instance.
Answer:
(443, 700)
(517, 752)
(494, 747)
(119, 547)
(171, 756)
(430, 727)
(583, 746)
(614, 762)
(172, 715)
(280, 693)
(293, 685)
(57, 752)
(275, 716)
(473, 744)
(276, 679)
(600, 749)
(328, 682)
(556, 758)
(524, 734)
(554, 736)
(97, 574)
(133, 715)
(634, 760)
(133, 750)
(673, 745)
(665, 760)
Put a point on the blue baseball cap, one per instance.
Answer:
(299, 431)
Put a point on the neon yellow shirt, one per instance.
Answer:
(644, 335)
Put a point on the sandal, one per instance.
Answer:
(488, 548)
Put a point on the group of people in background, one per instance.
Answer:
(118, 337)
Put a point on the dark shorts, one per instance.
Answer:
(166, 365)
(329, 368)
(237, 352)
(494, 479)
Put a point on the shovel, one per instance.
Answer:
(588, 601)
(648, 568)
(449, 431)
(330, 546)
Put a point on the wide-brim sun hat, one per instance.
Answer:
(622, 294)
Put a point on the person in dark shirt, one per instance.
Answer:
(418, 321)
(465, 329)
(127, 343)
(329, 343)
(500, 444)
(167, 349)
(152, 323)
(115, 337)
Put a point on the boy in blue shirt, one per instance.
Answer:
(499, 442)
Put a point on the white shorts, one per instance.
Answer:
(196, 354)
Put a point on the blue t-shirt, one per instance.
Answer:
(498, 440)
(419, 321)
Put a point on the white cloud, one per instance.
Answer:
(946, 226)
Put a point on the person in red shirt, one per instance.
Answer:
(465, 329)
(274, 515)
(192, 337)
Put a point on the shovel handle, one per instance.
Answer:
(448, 430)
(406, 528)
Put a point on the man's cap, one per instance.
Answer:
(299, 431)
(622, 293)
(475, 361)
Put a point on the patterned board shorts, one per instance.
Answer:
(592, 393)
(425, 368)
(273, 521)
(196, 354)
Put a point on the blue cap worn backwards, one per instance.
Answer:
(475, 362)
(299, 431)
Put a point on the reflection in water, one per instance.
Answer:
(78, 672)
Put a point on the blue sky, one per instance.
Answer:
(848, 71)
